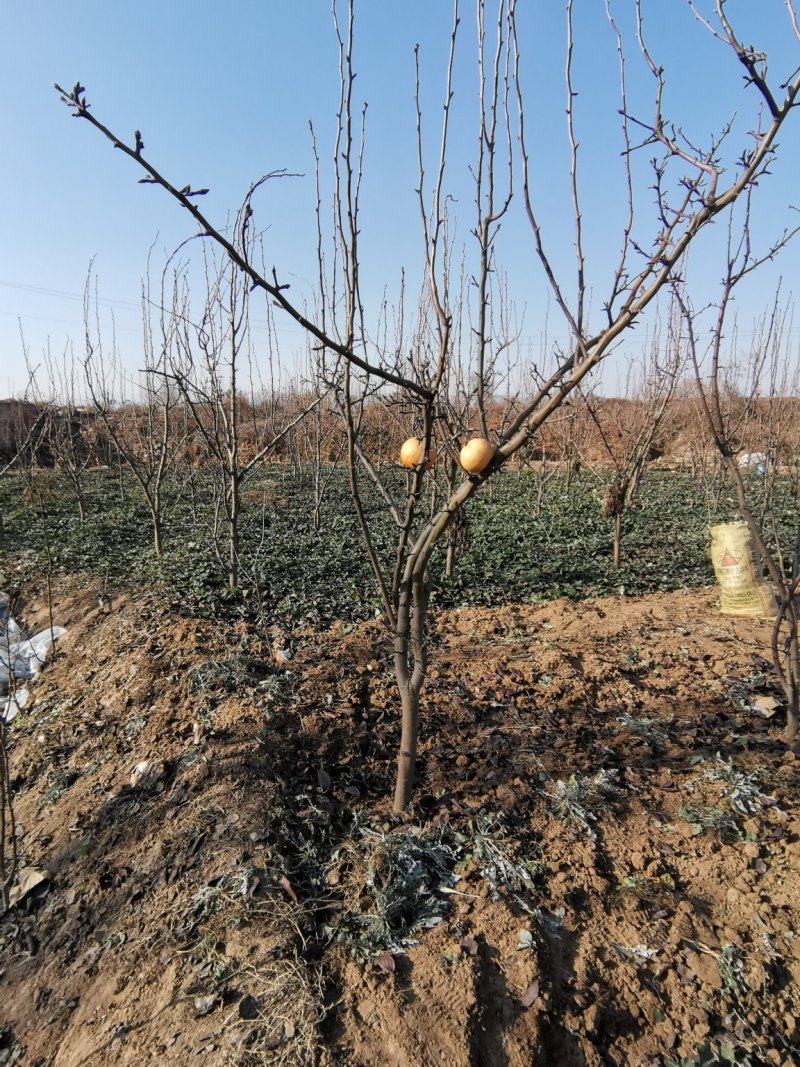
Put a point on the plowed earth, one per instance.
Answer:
(212, 819)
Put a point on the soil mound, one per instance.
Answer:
(602, 864)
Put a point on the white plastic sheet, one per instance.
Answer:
(757, 461)
(21, 658)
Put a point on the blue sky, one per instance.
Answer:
(224, 93)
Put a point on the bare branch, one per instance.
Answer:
(76, 101)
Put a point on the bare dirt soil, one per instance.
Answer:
(604, 850)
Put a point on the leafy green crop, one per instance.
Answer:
(518, 549)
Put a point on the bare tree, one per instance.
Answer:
(212, 367)
(65, 429)
(8, 828)
(22, 427)
(694, 186)
(568, 434)
(630, 430)
(771, 384)
(142, 418)
(9, 859)
(320, 445)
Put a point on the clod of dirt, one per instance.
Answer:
(205, 1005)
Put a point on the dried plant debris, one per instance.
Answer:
(654, 731)
(374, 890)
(730, 960)
(229, 674)
(543, 928)
(637, 953)
(751, 692)
(500, 863)
(578, 800)
(742, 790)
(57, 786)
(278, 1020)
(392, 885)
(709, 817)
(656, 889)
(232, 888)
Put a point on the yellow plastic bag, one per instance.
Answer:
(742, 590)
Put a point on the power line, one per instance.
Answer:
(278, 326)
(125, 305)
(121, 305)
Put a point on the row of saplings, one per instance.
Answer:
(474, 457)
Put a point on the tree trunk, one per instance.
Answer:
(617, 538)
(8, 826)
(411, 668)
(157, 533)
(234, 474)
(233, 539)
(789, 670)
(407, 756)
(792, 723)
(786, 662)
(121, 478)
